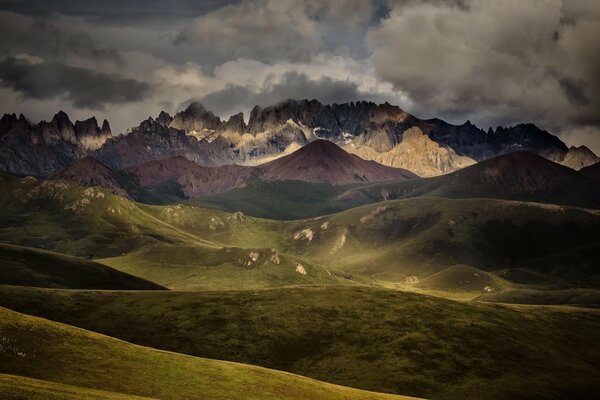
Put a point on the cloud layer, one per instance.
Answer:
(493, 62)
(36, 79)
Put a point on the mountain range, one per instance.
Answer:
(351, 244)
(380, 132)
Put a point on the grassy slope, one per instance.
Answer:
(198, 248)
(14, 387)
(183, 247)
(69, 219)
(419, 237)
(27, 266)
(46, 350)
(283, 200)
(578, 297)
(373, 339)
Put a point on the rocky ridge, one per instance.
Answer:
(380, 132)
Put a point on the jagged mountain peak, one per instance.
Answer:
(61, 120)
(106, 127)
(195, 107)
(195, 120)
(61, 115)
(235, 123)
(164, 118)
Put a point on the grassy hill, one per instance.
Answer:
(369, 338)
(187, 247)
(177, 246)
(26, 266)
(414, 238)
(283, 200)
(66, 218)
(575, 297)
(14, 387)
(49, 351)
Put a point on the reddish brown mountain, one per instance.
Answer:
(193, 179)
(90, 172)
(520, 170)
(154, 172)
(592, 171)
(324, 161)
(319, 161)
(519, 175)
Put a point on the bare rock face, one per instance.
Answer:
(164, 118)
(153, 141)
(47, 147)
(90, 135)
(234, 124)
(416, 153)
(579, 157)
(196, 121)
(373, 131)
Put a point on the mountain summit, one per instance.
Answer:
(324, 161)
(379, 132)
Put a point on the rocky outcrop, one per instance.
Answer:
(89, 135)
(195, 120)
(164, 118)
(234, 124)
(46, 147)
(373, 131)
(416, 152)
(152, 140)
(579, 157)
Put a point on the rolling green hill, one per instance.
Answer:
(176, 246)
(401, 241)
(369, 338)
(64, 355)
(14, 387)
(283, 200)
(414, 238)
(575, 297)
(26, 266)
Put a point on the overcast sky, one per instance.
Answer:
(491, 62)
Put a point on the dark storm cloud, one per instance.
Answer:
(113, 9)
(47, 39)
(533, 61)
(82, 87)
(493, 62)
(235, 98)
(270, 30)
(575, 91)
